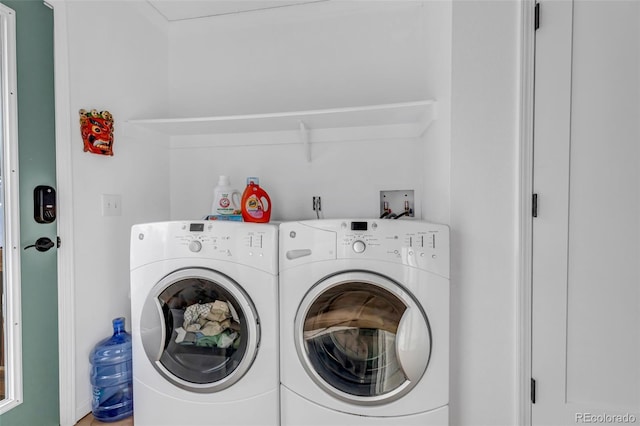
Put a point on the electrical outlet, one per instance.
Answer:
(111, 205)
(397, 203)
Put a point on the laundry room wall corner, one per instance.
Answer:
(107, 71)
(436, 143)
(484, 160)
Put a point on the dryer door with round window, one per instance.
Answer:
(199, 330)
(362, 337)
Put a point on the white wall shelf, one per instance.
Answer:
(397, 120)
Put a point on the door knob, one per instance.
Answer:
(42, 244)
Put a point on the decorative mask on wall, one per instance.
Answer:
(96, 128)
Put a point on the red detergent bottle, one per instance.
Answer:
(256, 204)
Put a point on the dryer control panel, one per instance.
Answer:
(415, 243)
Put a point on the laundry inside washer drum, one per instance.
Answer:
(357, 361)
(199, 358)
(350, 333)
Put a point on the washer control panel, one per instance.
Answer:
(247, 243)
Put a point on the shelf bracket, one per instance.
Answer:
(427, 118)
(304, 137)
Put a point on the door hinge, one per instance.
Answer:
(536, 16)
(534, 205)
(533, 390)
(58, 242)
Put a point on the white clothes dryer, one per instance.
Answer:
(205, 323)
(364, 323)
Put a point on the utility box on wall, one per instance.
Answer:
(397, 204)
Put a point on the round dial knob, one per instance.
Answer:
(195, 246)
(359, 246)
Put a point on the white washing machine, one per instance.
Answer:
(364, 323)
(205, 323)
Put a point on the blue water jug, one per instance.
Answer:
(111, 376)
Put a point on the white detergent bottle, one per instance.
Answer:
(226, 200)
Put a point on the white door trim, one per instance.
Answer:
(66, 278)
(525, 218)
(12, 296)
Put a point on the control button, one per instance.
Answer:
(195, 246)
(359, 246)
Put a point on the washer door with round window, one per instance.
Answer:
(199, 330)
(362, 337)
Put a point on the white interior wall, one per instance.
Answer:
(436, 163)
(108, 72)
(484, 147)
(321, 55)
(318, 55)
(348, 177)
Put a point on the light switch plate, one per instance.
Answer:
(111, 205)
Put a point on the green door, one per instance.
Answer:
(36, 144)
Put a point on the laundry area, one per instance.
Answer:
(343, 111)
(319, 212)
(337, 109)
(339, 122)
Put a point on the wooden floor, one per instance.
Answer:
(88, 420)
